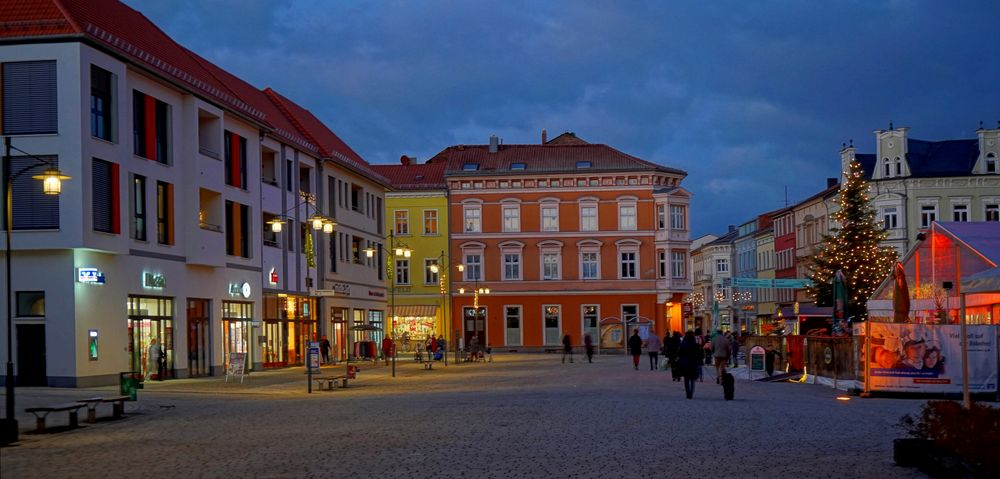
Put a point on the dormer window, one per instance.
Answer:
(583, 164)
(885, 167)
(899, 167)
(470, 167)
(991, 163)
(518, 166)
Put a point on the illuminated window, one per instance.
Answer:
(402, 222)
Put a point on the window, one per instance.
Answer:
(270, 238)
(139, 207)
(550, 265)
(661, 217)
(164, 213)
(960, 212)
(628, 265)
(29, 98)
(677, 217)
(899, 167)
(626, 217)
(470, 167)
(402, 222)
(588, 265)
(583, 164)
(430, 277)
(105, 196)
(992, 212)
(550, 218)
(235, 159)
(517, 166)
(991, 163)
(885, 167)
(678, 263)
(473, 267)
(630, 313)
(928, 214)
(101, 105)
(357, 252)
(721, 265)
(511, 218)
(402, 271)
(430, 222)
(31, 304)
(473, 218)
(661, 262)
(32, 208)
(511, 266)
(890, 217)
(238, 229)
(588, 218)
(150, 124)
(356, 195)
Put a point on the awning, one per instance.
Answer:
(413, 311)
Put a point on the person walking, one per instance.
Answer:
(635, 348)
(699, 339)
(670, 349)
(588, 347)
(721, 350)
(324, 348)
(653, 348)
(153, 355)
(567, 348)
(689, 362)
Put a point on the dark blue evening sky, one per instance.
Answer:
(748, 97)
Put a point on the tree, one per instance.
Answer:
(855, 247)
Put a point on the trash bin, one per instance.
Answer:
(128, 384)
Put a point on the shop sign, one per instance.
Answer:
(376, 293)
(89, 275)
(240, 289)
(273, 277)
(324, 292)
(342, 288)
(153, 281)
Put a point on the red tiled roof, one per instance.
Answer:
(425, 176)
(316, 132)
(548, 158)
(22, 18)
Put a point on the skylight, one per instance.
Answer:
(470, 166)
(583, 164)
(518, 166)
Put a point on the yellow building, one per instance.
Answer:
(416, 213)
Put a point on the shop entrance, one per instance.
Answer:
(31, 355)
(475, 326)
(151, 336)
(552, 317)
(199, 354)
(513, 320)
(338, 332)
(237, 326)
(288, 327)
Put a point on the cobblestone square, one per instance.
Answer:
(519, 416)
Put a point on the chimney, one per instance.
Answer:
(732, 228)
(494, 143)
(831, 182)
(545, 136)
(405, 160)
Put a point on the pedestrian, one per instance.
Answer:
(153, 355)
(474, 348)
(699, 339)
(588, 347)
(324, 348)
(670, 349)
(387, 351)
(635, 348)
(442, 348)
(769, 356)
(689, 361)
(567, 348)
(735, 340)
(720, 352)
(653, 348)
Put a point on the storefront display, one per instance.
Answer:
(289, 325)
(237, 325)
(199, 351)
(151, 336)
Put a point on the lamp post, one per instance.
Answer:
(476, 291)
(395, 251)
(439, 269)
(51, 185)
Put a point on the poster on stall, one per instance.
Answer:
(927, 358)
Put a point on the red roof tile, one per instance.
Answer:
(548, 158)
(425, 176)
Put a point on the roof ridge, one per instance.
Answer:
(69, 18)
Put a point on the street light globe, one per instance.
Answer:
(406, 253)
(486, 290)
(51, 180)
(369, 252)
(317, 223)
(434, 268)
(461, 290)
(276, 227)
(461, 268)
(328, 228)
(399, 251)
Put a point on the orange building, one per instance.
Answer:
(563, 237)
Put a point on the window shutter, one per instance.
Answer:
(29, 98)
(33, 209)
(103, 207)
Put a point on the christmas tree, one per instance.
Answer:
(855, 247)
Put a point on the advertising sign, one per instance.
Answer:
(928, 358)
(314, 355)
(757, 358)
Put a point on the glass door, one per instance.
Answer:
(475, 327)
(590, 318)
(151, 336)
(197, 337)
(274, 344)
(551, 319)
(513, 322)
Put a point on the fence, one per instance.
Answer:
(830, 357)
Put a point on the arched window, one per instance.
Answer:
(991, 163)
(885, 167)
(899, 167)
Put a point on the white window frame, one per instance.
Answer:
(960, 210)
(472, 223)
(584, 226)
(516, 265)
(661, 216)
(991, 207)
(678, 264)
(555, 223)
(583, 323)
(430, 277)
(661, 263)
(558, 315)
(621, 310)
(556, 260)
(402, 271)
(991, 162)
(722, 265)
(405, 222)
(435, 218)
(629, 247)
(473, 265)
(627, 222)
(512, 222)
(925, 221)
(890, 212)
(678, 217)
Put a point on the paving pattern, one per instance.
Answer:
(520, 416)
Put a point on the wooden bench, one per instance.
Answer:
(428, 365)
(329, 381)
(117, 406)
(41, 412)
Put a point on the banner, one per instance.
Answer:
(928, 358)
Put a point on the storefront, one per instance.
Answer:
(198, 337)
(367, 331)
(237, 326)
(413, 323)
(151, 336)
(289, 325)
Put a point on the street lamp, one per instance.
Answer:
(476, 292)
(395, 251)
(52, 180)
(440, 269)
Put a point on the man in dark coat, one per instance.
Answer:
(689, 357)
(670, 349)
(635, 348)
(567, 348)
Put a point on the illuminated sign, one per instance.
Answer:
(89, 275)
(239, 289)
(273, 277)
(153, 281)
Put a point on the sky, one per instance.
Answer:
(750, 98)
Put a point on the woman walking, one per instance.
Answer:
(689, 358)
(653, 348)
(567, 348)
(635, 348)
(673, 345)
(588, 347)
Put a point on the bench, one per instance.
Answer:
(329, 381)
(41, 412)
(117, 406)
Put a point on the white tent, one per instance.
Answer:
(983, 282)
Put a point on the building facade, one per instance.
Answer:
(714, 307)
(567, 237)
